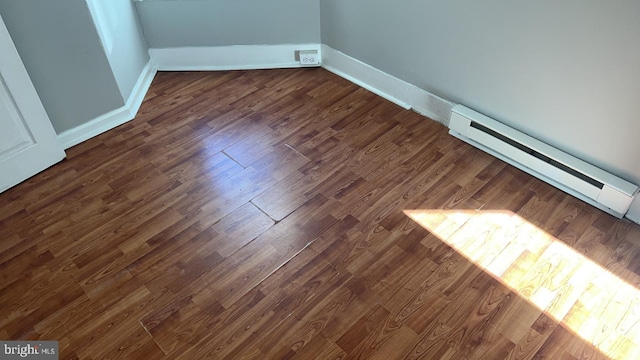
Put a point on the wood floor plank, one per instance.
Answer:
(291, 214)
(239, 228)
(320, 348)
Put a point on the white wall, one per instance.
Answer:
(61, 49)
(180, 23)
(122, 39)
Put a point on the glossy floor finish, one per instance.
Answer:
(291, 214)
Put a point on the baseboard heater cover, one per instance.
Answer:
(566, 172)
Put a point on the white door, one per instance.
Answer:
(28, 142)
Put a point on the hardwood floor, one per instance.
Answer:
(289, 214)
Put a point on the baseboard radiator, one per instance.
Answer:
(570, 174)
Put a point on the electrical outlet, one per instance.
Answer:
(309, 57)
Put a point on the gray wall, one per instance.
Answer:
(179, 23)
(566, 72)
(61, 49)
(124, 44)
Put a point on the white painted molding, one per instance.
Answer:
(95, 127)
(366, 76)
(634, 211)
(236, 57)
(141, 88)
(430, 105)
(245, 57)
(113, 118)
(389, 87)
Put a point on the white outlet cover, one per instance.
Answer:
(309, 57)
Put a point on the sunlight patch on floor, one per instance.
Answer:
(584, 296)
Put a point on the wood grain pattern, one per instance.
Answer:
(261, 215)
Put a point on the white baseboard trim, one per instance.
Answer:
(366, 76)
(246, 57)
(236, 57)
(113, 118)
(389, 87)
(141, 88)
(634, 211)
